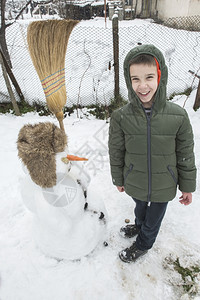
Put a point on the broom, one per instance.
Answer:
(47, 42)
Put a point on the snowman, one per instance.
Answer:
(68, 222)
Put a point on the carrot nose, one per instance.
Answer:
(76, 158)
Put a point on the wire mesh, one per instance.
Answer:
(191, 23)
(89, 61)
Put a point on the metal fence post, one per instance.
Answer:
(116, 54)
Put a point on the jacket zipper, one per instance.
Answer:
(148, 117)
(149, 156)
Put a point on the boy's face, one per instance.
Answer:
(144, 80)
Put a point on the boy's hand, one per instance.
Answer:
(186, 198)
(120, 188)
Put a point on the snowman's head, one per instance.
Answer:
(37, 146)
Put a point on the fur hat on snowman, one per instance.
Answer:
(37, 147)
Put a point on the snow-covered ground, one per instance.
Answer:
(27, 274)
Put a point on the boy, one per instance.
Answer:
(150, 148)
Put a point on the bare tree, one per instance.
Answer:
(4, 25)
(3, 33)
(146, 7)
(136, 4)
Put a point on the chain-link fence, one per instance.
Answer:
(89, 60)
(191, 23)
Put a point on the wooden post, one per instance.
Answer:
(116, 55)
(123, 7)
(105, 11)
(9, 88)
(197, 99)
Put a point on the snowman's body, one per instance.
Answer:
(62, 227)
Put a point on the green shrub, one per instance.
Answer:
(186, 92)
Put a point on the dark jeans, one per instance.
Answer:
(148, 219)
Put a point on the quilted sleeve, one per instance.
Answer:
(185, 157)
(116, 149)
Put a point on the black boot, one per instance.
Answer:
(129, 231)
(131, 254)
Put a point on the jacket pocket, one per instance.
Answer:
(128, 172)
(172, 174)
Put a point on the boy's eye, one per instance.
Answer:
(135, 79)
(150, 77)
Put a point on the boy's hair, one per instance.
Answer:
(145, 59)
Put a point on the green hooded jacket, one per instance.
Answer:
(151, 156)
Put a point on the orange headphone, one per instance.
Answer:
(158, 70)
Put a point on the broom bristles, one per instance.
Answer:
(47, 41)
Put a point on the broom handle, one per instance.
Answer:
(61, 125)
(60, 117)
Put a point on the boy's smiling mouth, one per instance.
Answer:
(144, 94)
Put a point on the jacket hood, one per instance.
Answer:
(160, 95)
